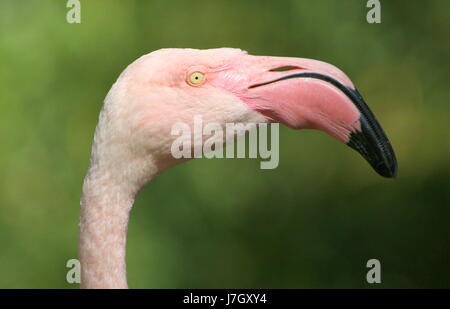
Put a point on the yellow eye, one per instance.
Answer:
(196, 78)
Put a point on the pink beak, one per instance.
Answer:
(310, 94)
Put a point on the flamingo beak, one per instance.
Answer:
(317, 95)
(371, 141)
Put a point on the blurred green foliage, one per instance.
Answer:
(311, 223)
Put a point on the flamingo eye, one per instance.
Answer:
(196, 78)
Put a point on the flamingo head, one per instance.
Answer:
(228, 85)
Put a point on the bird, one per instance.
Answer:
(132, 140)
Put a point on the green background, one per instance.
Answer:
(311, 223)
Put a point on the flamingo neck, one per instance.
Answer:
(106, 201)
(105, 209)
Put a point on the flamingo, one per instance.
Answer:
(133, 137)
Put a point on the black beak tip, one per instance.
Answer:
(387, 170)
(378, 153)
(371, 142)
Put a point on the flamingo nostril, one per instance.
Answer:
(286, 68)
